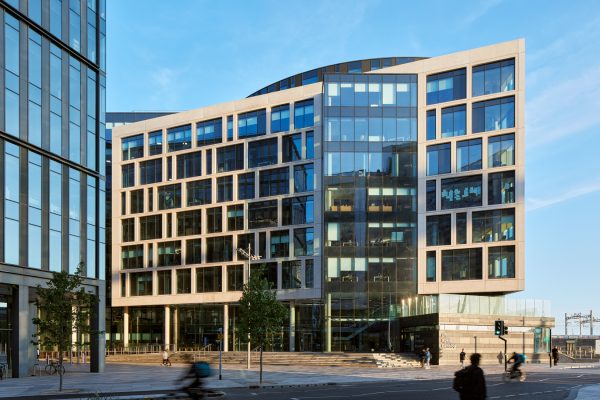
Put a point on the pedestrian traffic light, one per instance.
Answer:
(505, 330)
(499, 328)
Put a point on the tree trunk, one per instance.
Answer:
(60, 367)
(261, 351)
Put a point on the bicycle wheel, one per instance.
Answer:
(522, 377)
(62, 368)
(50, 369)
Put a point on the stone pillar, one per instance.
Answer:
(167, 337)
(23, 353)
(225, 327)
(328, 324)
(175, 328)
(292, 326)
(98, 340)
(126, 327)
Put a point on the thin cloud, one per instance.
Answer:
(479, 11)
(534, 204)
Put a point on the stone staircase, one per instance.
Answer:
(393, 360)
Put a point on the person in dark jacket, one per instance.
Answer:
(555, 355)
(473, 382)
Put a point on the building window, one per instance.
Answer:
(292, 147)
(11, 75)
(209, 279)
(431, 196)
(309, 77)
(501, 188)
(494, 77)
(274, 181)
(253, 123)
(230, 158)
(458, 265)
(55, 210)
(262, 153)
(169, 197)
(140, 284)
(179, 138)
(310, 145)
(454, 121)
(446, 86)
(132, 256)
(136, 201)
(461, 192)
(501, 262)
(468, 155)
(493, 115)
(199, 192)
(280, 119)
(230, 128)
(193, 251)
(439, 230)
(461, 228)
(209, 132)
(494, 225)
(132, 147)
(189, 165)
(209, 154)
(303, 241)
(303, 178)
(189, 223)
(501, 151)
(169, 254)
(262, 214)
(128, 175)
(291, 274)
(170, 168)
(431, 266)
(235, 278)
(438, 159)
(268, 271)
(151, 227)
(151, 171)
(224, 188)
(219, 249)
(184, 280)
(246, 186)
(431, 134)
(280, 244)
(128, 230)
(303, 114)
(155, 143)
(243, 241)
(297, 210)
(164, 282)
(214, 220)
(309, 274)
(235, 217)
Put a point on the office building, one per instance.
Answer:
(52, 186)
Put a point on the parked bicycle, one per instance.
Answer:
(53, 367)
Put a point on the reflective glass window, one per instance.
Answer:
(291, 274)
(209, 159)
(438, 159)
(55, 213)
(11, 75)
(199, 192)
(303, 114)
(274, 181)
(468, 155)
(230, 128)
(75, 24)
(56, 17)
(209, 132)
(292, 147)
(304, 178)
(169, 196)
(179, 138)
(454, 121)
(140, 284)
(235, 217)
(128, 230)
(189, 223)
(230, 158)
(464, 264)
(132, 256)
(208, 279)
(164, 282)
(75, 110)
(446, 86)
(224, 188)
(439, 230)
(493, 225)
(303, 241)
(262, 153)
(193, 251)
(132, 147)
(219, 249)
(501, 188)
(151, 171)
(501, 262)
(310, 77)
(280, 244)
(34, 88)
(501, 151)
(155, 143)
(310, 145)
(55, 99)
(280, 118)
(235, 278)
(461, 228)
(246, 183)
(252, 123)
(461, 192)
(494, 77)
(431, 266)
(431, 198)
(262, 214)
(189, 165)
(431, 125)
(11, 203)
(184, 280)
(214, 220)
(169, 253)
(127, 175)
(35, 10)
(151, 227)
(297, 210)
(493, 115)
(136, 201)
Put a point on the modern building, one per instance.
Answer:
(52, 215)
(371, 192)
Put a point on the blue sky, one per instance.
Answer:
(184, 54)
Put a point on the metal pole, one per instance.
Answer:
(591, 323)
(550, 346)
(566, 333)
(221, 354)
(475, 337)
(505, 349)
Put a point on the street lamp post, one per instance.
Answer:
(249, 256)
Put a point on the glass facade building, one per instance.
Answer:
(52, 151)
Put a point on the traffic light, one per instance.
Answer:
(505, 330)
(499, 328)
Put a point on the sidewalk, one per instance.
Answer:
(591, 392)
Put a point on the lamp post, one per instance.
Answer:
(249, 256)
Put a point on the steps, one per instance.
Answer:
(393, 360)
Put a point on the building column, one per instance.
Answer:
(126, 327)
(98, 339)
(23, 356)
(292, 326)
(225, 327)
(167, 337)
(328, 324)
(175, 328)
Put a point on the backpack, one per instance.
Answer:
(460, 379)
(202, 369)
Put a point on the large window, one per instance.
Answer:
(128, 230)
(303, 241)
(494, 77)
(468, 155)
(209, 132)
(454, 121)
(304, 178)
(184, 280)
(461, 192)
(193, 251)
(189, 165)
(458, 265)
(151, 227)
(280, 118)
(501, 262)
(303, 114)
(209, 279)
(136, 201)
(493, 115)
(151, 171)
(230, 158)
(253, 123)
(219, 249)
(438, 159)
(274, 181)
(431, 134)
(431, 196)
(494, 225)
(128, 175)
(155, 143)
(292, 147)
(224, 188)
(430, 272)
(461, 228)
(446, 86)
(132, 256)
(214, 220)
(291, 274)
(439, 229)
(140, 284)
(235, 217)
(262, 214)
(179, 138)
(11, 75)
(501, 151)
(280, 244)
(246, 186)
(169, 196)
(262, 153)
(164, 282)
(199, 192)
(169, 254)
(297, 210)
(133, 147)
(189, 223)
(501, 188)
(235, 278)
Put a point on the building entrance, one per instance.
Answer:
(5, 327)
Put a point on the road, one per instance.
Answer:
(539, 386)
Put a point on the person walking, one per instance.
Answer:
(462, 357)
(555, 355)
(470, 382)
(165, 358)
(427, 358)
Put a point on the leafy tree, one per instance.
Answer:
(64, 308)
(261, 315)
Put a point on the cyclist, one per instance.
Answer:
(517, 359)
(198, 371)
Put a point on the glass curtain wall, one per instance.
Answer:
(370, 211)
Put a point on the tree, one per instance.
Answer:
(64, 308)
(261, 315)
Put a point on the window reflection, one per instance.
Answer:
(501, 151)
(494, 226)
(494, 77)
(494, 114)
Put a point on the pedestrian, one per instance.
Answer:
(470, 382)
(555, 355)
(165, 357)
(421, 356)
(427, 358)
(462, 357)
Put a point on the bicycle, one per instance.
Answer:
(53, 367)
(510, 375)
